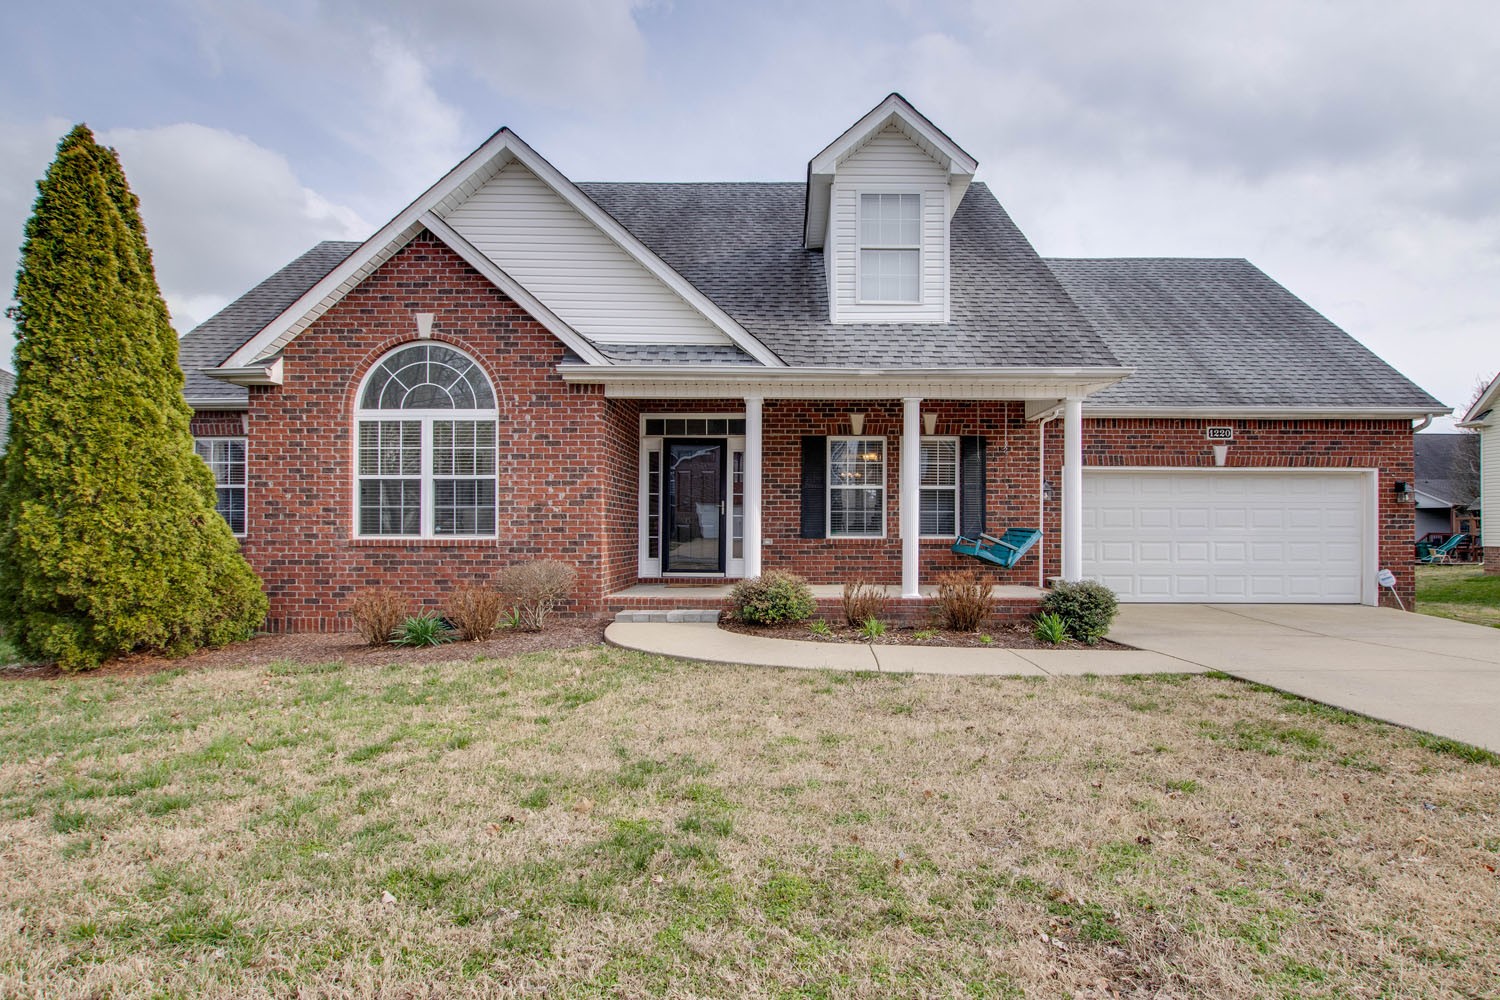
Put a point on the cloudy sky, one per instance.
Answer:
(1351, 150)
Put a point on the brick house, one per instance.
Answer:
(696, 382)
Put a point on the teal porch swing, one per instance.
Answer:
(1004, 551)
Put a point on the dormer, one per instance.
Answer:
(879, 201)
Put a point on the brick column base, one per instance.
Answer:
(1492, 559)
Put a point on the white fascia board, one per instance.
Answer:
(648, 259)
(478, 166)
(1488, 400)
(200, 403)
(265, 373)
(1437, 501)
(821, 168)
(707, 381)
(498, 277)
(1265, 412)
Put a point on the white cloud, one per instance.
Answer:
(221, 212)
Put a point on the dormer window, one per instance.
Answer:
(890, 248)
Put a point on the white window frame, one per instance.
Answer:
(860, 247)
(243, 486)
(828, 487)
(426, 417)
(957, 487)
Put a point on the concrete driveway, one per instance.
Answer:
(1428, 673)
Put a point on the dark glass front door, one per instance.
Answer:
(694, 527)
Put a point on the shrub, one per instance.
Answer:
(872, 629)
(109, 540)
(533, 590)
(963, 601)
(1050, 628)
(1086, 608)
(376, 614)
(425, 629)
(773, 597)
(474, 612)
(863, 601)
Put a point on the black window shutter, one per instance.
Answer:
(971, 499)
(814, 487)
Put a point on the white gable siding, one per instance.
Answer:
(583, 276)
(890, 161)
(1489, 483)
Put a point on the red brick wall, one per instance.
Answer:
(554, 493)
(1011, 485)
(218, 423)
(1300, 444)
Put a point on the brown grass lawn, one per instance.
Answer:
(595, 823)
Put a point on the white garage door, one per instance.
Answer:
(1226, 536)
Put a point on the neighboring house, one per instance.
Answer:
(696, 382)
(7, 386)
(1447, 485)
(1484, 417)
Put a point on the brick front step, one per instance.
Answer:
(898, 611)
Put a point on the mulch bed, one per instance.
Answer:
(344, 647)
(1016, 636)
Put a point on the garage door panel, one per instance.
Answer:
(1225, 536)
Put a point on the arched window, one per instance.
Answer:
(425, 446)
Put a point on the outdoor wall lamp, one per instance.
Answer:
(856, 424)
(1404, 492)
(1046, 490)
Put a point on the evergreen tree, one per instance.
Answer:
(109, 541)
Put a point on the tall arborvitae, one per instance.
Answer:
(108, 537)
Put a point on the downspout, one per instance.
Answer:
(1041, 493)
(1426, 422)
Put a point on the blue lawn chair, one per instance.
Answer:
(1440, 553)
(1004, 551)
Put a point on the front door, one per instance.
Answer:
(694, 528)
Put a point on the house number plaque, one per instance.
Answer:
(1221, 433)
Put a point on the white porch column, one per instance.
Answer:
(753, 454)
(1072, 491)
(911, 478)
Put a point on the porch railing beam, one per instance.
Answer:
(911, 478)
(1072, 498)
(753, 455)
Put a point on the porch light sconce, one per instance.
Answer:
(856, 424)
(929, 423)
(1047, 490)
(1404, 492)
(1221, 454)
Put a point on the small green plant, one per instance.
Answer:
(924, 634)
(820, 628)
(772, 598)
(872, 629)
(1086, 608)
(1050, 628)
(510, 619)
(425, 629)
(985, 640)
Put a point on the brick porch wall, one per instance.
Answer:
(1492, 559)
(557, 490)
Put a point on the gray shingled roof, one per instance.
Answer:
(215, 339)
(741, 245)
(1210, 332)
(1447, 466)
(675, 354)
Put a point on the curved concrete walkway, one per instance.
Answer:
(707, 643)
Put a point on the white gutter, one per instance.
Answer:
(1266, 412)
(212, 403)
(268, 373)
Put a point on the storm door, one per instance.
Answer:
(694, 522)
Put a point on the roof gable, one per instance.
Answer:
(895, 112)
(1482, 413)
(427, 212)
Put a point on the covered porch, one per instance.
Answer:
(842, 475)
